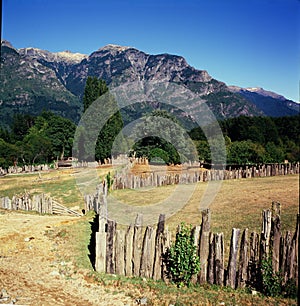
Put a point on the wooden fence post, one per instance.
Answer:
(284, 254)
(157, 267)
(100, 261)
(219, 258)
(147, 260)
(204, 245)
(296, 239)
(211, 259)
(196, 235)
(265, 234)
(243, 261)
(275, 235)
(253, 259)
(110, 250)
(129, 251)
(119, 252)
(137, 244)
(231, 270)
(293, 255)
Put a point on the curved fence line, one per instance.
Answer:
(195, 174)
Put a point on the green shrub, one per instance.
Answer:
(271, 281)
(181, 259)
(109, 181)
(290, 289)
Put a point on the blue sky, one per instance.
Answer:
(248, 43)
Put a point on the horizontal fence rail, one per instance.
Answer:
(40, 203)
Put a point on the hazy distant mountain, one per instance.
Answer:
(270, 103)
(34, 79)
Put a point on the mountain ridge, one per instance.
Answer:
(34, 78)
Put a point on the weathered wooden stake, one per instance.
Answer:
(211, 259)
(231, 270)
(157, 267)
(110, 250)
(219, 258)
(147, 259)
(100, 263)
(119, 252)
(275, 235)
(204, 245)
(129, 251)
(243, 261)
(253, 258)
(137, 244)
(265, 234)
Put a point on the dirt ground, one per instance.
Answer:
(33, 270)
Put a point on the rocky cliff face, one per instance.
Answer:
(35, 79)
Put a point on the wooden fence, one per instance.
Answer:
(139, 251)
(195, 174)
(41, 203)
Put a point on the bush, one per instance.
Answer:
(181, 258)
(271, 281)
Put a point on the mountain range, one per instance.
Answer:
(34, 80)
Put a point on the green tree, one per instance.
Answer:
(60, 131)
(246, 152)
(20, 125)
(162, 131)
(203, 151)
(35, 146)
(275, 154)
(94, 88)
(8, 154)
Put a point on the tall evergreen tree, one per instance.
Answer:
(94, 88)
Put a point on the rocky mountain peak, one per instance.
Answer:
(37, 79)
(113, 47)
(6, 43)
(64, 56)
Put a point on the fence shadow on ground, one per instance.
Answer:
(92, 245)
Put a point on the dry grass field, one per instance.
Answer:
(238, 203)
(53, 267)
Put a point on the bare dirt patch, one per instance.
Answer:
(36, 266)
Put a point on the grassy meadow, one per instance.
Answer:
(238, 203)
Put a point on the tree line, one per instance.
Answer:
(49, 137)
(253, 140)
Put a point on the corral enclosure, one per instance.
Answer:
(239, 202)
(139, 251)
